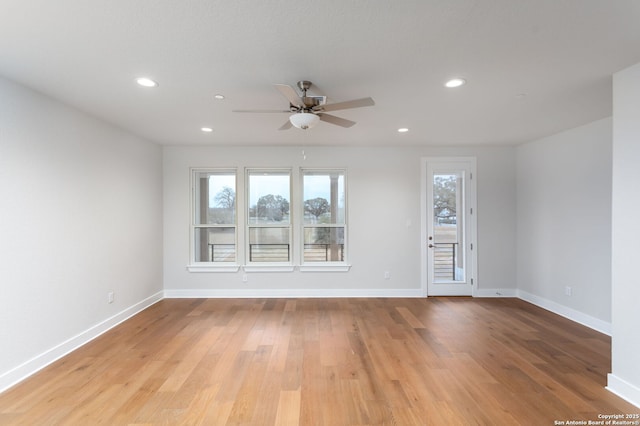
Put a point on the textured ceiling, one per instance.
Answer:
(534, 67)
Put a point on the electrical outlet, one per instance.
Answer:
(245, 278)
(111, 296)
(568, 291)
(387, 275)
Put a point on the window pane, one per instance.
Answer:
(269, 244)
(215, 244)
(269, 194)
(448, 229)
(324, 197)
(215, 198)
(323, 244)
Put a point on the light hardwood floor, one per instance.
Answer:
(331, 362)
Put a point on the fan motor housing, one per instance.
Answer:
(314, 101)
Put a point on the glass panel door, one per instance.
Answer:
(449, 236)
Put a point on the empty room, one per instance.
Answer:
(319, 212)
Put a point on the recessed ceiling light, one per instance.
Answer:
(219, 96)
(403, 130)
(455, 82)
(206, 129)
(146, 82)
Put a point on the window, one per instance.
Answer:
(324, 218)
(213, 227)
(269, 236)
(271, 202)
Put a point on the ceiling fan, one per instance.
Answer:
(309, 110)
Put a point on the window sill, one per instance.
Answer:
(325, 268)
(213, 268)
(268, 268)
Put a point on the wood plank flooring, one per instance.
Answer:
(435, 361)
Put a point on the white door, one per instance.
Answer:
(449, 246)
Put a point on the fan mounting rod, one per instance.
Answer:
(304, 85)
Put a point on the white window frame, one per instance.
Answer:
(256, 266)
(211, 266)
(323, 266)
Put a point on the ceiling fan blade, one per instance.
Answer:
(291, 94)
(286, 126)
(262, 110)
(356, 103)
(327, 118)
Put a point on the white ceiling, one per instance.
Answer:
(534, 67)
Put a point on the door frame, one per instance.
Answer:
(471, 213)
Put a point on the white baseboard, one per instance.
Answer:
(623, 389)
(289, 293)
(38, 362)
(576, 316)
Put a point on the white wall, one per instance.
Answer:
(80, 215)
(625, 376)
(564, 223)
(384, 219)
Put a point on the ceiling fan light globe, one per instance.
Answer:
(304, 120)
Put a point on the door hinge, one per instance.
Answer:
(471, 281)
(471, 210)
(470, 175)
(471, 246)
